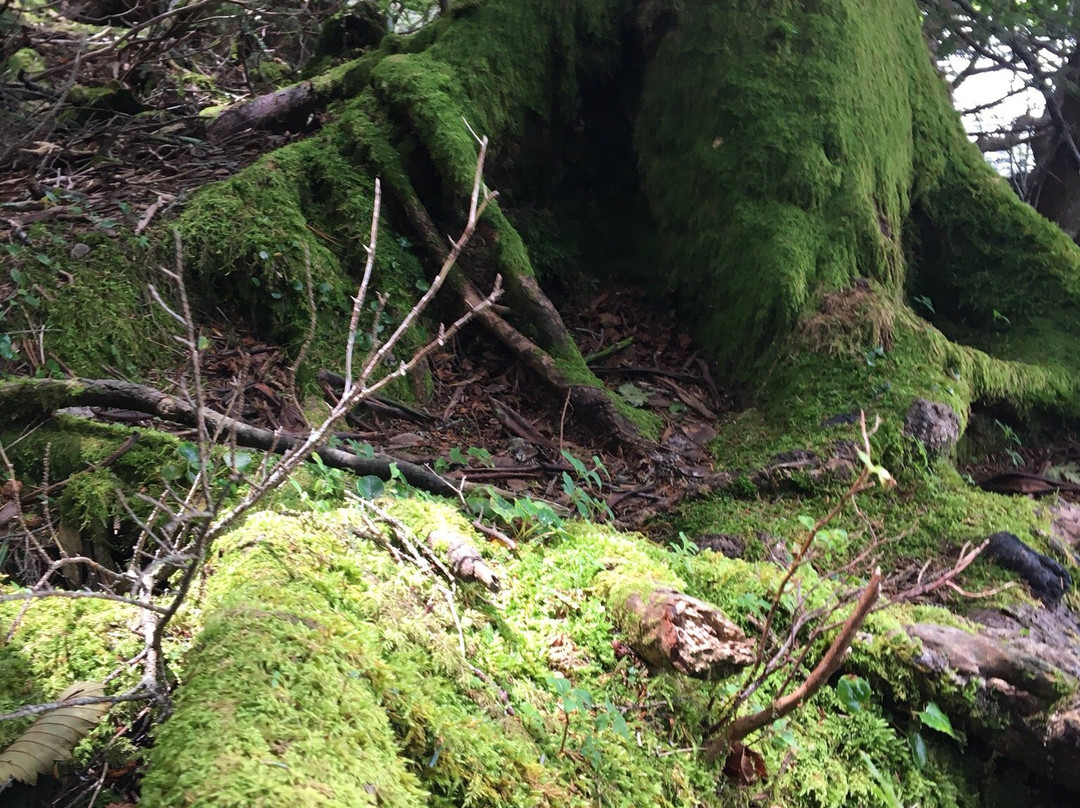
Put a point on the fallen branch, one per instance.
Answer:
(828, 665)
(31, 398)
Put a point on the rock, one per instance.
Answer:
(933, 423)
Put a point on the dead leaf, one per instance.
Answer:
(745, 765)
(53, 736)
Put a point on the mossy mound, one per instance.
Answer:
(95, 497)
(85, 295)
(326, 672)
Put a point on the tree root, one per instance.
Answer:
(592, 400)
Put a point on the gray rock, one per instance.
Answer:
(933, 423)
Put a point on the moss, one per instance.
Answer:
(327, 671)
(25, 60)
(104, 292)
(248, 240)
(800, 197)
(65, 448)
(57, 642)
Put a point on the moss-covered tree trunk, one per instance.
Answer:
(753, 162)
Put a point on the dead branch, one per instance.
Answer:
(828, 665)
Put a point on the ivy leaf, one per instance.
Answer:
(633, 395)
(932, 717)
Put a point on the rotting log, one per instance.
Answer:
(676, 632)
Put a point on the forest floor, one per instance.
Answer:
(487, 419)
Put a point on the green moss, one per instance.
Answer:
(799, 197)
(25, 60)
(57, 642)
(104, 292)
(65, 448)
(329, 672)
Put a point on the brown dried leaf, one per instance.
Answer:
(53, 736)
(745, 765)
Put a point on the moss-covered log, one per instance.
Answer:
(26, 399)
(325, 671)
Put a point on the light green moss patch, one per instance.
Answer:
(25, 60)
(327, 672)
(57, 642)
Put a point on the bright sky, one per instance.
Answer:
(984, 88)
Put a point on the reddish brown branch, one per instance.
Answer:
(828, 665)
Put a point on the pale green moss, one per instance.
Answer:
(25, 60)
(328, 672)
(57, 642)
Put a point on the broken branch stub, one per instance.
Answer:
(462, 558)
(673, 631)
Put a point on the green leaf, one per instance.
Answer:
(918, 749)
(202, 343)
(190, 452)
(482, 456)
(370, 487)
(633, 395)
(924, 301)
(933, 718)
(579, 467)
(172, 471)
(854, 693)
(7, 350)
(239, 461)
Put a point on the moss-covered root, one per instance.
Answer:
(273, 710)
(431, 100)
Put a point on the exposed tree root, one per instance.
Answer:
(592, 401)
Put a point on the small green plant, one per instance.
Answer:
(883, 786)
(1014, 440)
(599, 718)
(588, 505)
(227, 468)
(524, 517)
(455, 456)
